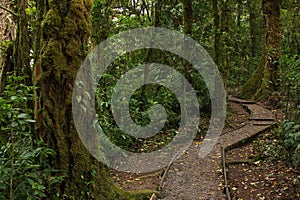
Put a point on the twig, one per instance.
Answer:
(147, 10)
(10, 11)
(225, 174)
(175, 157)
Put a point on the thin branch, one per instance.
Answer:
(10, 11)
(147, 10)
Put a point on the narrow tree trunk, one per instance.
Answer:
(187, 29)
(6, 64)
(101, 21)
(187, 16)
(221, 26)
(217, 31)
(256, 32)
(22, 45)
(7, 35)
(157, 13)
(224, 42)
(263, 81)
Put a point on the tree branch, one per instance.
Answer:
(10, 11)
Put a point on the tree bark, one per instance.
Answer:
(221, 26)
(7, 35)
(22, 44)
(263, 81)
(6, 65)
(61, 47)
(217, 31)
(101, 21)
(256, 28)
(225, 40)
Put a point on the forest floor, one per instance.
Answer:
(190, 178)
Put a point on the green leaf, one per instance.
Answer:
(13, 97)
(30, 120)
(22, 115)
(14, 124)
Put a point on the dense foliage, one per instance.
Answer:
(231, 31)
(25, 168)
(290, 129)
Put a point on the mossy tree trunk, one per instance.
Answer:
(102, 12)
(187, 17)
(156, 13)
(225, 40)
(7, 35)
(221, 13)
(61, 47)
(22, 43)
(263, 81)
(217, 37)
(187, 29)
(256, 28)
(6, 64)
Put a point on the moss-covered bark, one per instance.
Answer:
(217, 37)
(263, 81)
(7, 30)
(256, 27)
(60, 48)
(102, 13)
(225, 40)
(221, 13)
(22, 43)
(6, 65)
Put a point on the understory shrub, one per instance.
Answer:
(25, 170)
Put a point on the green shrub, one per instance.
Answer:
(291, 134)
(24, 159)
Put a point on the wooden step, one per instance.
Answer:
(262, 122)
(237, 100)
(259, 113)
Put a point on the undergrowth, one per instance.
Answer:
(25, 168)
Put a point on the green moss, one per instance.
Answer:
(64, 35)
(52, 22)
(249, 89)
(143, 194)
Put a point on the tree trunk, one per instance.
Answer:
(7, 35)
(6, 64)
(187, 17)
(217, 31)
(221, 26)
(256, 31)
(22, 45)
(263, 81)
(101, 21)
(225, 40)
(61, 46)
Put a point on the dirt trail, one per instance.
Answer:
(192, 178)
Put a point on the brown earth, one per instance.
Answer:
(259, 180)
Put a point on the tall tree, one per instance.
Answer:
(263, 81)
(255, 24)
(7, 35)
(22, 42)
(102, 13)
(221, 10)
(61, 44)
(215, 6)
